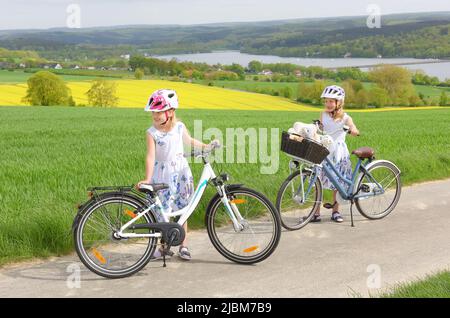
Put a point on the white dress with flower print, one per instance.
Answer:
(171, 167)
(339, 153)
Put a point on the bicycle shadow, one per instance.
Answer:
(52, 271)
(61, 270)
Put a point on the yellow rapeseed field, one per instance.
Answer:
(134, 93)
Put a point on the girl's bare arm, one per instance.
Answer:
(188, 140)
(353, 130)
(149, 160)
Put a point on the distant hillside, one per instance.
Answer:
(424, 35)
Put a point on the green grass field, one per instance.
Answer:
(432, 286)
(50, 155)
(19, 76)
(252, 86)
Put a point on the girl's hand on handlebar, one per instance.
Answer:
(350, 131)
(138, 185)
(214, 144)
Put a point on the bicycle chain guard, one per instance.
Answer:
(172, 233)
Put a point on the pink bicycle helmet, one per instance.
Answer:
(162, 100)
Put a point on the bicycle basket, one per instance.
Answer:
(306, 149)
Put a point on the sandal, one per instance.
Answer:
(184, 253)
(336, 217)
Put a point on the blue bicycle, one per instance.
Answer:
(374, 187)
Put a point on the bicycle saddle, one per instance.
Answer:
(152, 187)
(363, 152)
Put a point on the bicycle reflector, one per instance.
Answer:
(251, 249)
(98, 256)
(238, 201)
(130, 214)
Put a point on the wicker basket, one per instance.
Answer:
(306, 149)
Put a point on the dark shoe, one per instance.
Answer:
(336, 217)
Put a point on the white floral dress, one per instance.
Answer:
(171, 167)
(339, 153)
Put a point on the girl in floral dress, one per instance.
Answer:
(333, 120)
(165, 161)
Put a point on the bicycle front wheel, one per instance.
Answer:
(294, 203)
(259, 231)
(384, 198)
(97, 244)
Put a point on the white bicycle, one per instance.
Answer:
(117, 230)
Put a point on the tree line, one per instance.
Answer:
(48, 89)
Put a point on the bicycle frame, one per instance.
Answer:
(334, 176)
(184, 213)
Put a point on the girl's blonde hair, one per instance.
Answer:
(338, 112)
(173, 120)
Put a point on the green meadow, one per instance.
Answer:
(19, 77)
(50, 155)
(432, 286)
(428, 91)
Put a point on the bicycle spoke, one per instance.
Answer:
(110, 254)
(383, 200)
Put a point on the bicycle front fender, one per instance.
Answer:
(217, 197)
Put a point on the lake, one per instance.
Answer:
(440, 70)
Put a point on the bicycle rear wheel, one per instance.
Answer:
(295, 208)
(260, 232)
(385, 200)
(97, 246)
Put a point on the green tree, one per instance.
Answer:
(102, 94)
(286, 92)
(236, 68)
(349, 93)
(396, 81)
(303, 93)
(362, 99)
(255, 66)
(139, 74)
(45, 89)
(443, 99)
(379, 97)
(316, 91)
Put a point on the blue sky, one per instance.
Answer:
(24, 14)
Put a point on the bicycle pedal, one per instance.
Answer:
(329, 205)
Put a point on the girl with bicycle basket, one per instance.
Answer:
(333, 119)
(165, 161)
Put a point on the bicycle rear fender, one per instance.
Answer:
(367, 167)
(95, 199)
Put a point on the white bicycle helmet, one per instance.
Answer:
(162, 100)
(334, 92)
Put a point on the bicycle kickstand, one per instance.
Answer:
(351, 213)
(167, 248)
(164, 257)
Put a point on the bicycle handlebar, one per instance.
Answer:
(204, 152)
(346, 128)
